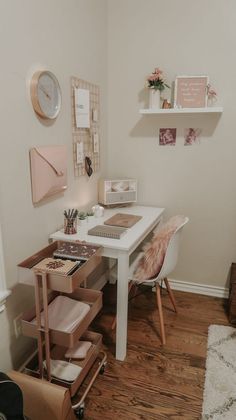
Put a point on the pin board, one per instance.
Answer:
(85, 105)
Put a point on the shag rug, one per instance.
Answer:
(219, 400)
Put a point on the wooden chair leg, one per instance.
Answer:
(171, 294)
(159, 306)
(131, 284)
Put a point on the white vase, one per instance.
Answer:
(211, 101)
(154, 98)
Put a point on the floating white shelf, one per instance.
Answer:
(209, 110)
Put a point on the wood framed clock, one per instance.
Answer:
(45, 94)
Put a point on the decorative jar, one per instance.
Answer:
(154, 98)
(70, 225)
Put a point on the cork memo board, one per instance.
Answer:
(86, 135)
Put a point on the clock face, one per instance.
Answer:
(46, 94)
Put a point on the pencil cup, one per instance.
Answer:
(70, 225)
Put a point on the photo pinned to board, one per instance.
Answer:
(192, 136)
(167, 136)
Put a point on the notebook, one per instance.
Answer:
(123, 220)
(56, 265)
(113, 232)
(74, 251)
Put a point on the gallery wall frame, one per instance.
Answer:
(191, 91)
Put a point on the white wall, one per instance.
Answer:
(181, 37)
(70, 39)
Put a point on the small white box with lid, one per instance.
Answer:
(117, 191)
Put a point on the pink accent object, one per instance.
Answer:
(79, 351)
(152, 260)
(48, 171)
(191, 92)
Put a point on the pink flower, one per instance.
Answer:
(153, 77)
(156, 80)
(158, 71)
(211, 92)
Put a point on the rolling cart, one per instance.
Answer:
(52, 343)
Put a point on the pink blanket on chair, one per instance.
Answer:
(151, 262)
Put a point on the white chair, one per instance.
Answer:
(169, 263)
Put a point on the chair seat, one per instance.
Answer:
(133, 265)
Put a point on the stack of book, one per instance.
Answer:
(113, 232)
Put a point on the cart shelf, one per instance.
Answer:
(66, 339)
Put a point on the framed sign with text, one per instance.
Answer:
(191, 91)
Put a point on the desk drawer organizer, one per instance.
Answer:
(55, 326)
(57, 281)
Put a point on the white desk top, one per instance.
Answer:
(128, 241)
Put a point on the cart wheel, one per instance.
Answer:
(80, 413)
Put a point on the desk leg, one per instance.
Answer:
(122, 305)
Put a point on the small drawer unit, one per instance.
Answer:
(117, 191)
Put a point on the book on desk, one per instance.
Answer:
(123, 220)
(113, 232)
(115, 226)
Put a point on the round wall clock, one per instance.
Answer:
(45, 94)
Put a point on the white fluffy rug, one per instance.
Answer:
(219, 401)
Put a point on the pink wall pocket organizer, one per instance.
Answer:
(48, 166)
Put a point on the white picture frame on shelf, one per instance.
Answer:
(191, 91)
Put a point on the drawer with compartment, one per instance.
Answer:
(56, 280)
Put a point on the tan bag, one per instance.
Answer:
(43, 399)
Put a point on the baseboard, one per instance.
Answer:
(202, 289)
(184, 286)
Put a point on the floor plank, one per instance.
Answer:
(155, 381)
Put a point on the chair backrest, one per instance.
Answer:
(172, 251)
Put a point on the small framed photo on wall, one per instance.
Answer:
(167, 136)
(191, 91)
(192, 136)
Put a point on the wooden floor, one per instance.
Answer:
(155, 382)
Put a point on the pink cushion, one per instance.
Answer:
(150, 264)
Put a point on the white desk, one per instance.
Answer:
(119, 249)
